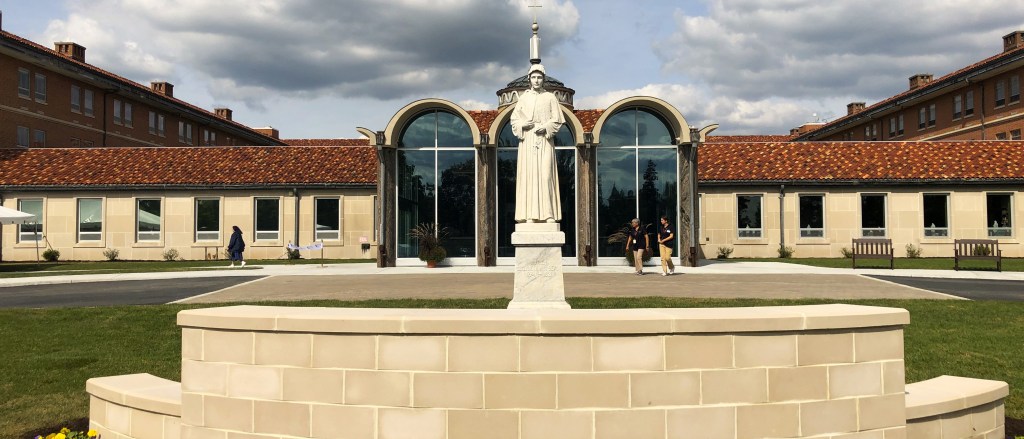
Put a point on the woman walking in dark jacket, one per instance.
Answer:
(236, 246)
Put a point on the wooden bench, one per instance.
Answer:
(873, 248)
(979, 249)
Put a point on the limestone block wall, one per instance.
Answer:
(134, 406)
(799, 372)
(952, 407)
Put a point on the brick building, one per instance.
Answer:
(978, 102)
(54, 98)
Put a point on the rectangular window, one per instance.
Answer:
(160, 125)
(931, 115)
(1015, 135)
(117, 112)
(1000, 136)
(23, 134)
(872, 215)
(152, 122)
(328, 218)
(31, 232)
(209, 137)
(181, 132)
(127, 114)
(1000, 215)
(958, 106)
(922, 118)
(748, 216)
(899, 125)
(1014, 89)
(147, 220)
(892, 127)
(39, 138)
(76, 99)
(188, 133)
(24, 84)
(936, 215)
(1000, 93)
(88, 108)
(40, 88)
(90, 219)
(812, 216)
(867, 132)
(268, 219)
(207, 219)
(969, 103)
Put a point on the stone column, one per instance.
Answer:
(586, 213)
(486, 216)
(386, 188)
(538, 280)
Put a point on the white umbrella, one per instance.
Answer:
(11, 216)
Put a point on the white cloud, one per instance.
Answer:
(472, 104)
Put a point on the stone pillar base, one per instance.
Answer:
(538, 280)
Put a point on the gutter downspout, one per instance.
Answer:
(782, 216)
(982, 108)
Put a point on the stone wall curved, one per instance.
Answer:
(806, 371)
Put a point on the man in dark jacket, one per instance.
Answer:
(236, 246)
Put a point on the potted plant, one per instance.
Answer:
(622, 236)
(430, 239)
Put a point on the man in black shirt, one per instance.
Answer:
(666, 241)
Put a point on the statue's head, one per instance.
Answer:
(536, 76)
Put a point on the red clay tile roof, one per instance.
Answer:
(751, 138)
(191, 166)
(588, 118)
(116, 78)
(327, 142)
(483, 119)
(861, 161)
(934, 84)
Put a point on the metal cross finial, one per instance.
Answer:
(536, 4)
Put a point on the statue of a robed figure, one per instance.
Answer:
(536, 119)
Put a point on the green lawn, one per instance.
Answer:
(30, 269)
(1009, 264)
(50, 353)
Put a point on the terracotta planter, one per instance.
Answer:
(431, 264)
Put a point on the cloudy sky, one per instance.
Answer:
(320, 68)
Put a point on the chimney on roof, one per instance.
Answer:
(854, 108)
(163, 87)
(1013, 40)
(70, 50)
(268, 131)
(920, 80)
(223, 113)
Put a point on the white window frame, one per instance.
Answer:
(160, 125)
(117, 112)
(88, 98)
(1014, 89)
(24, 138)
(148, 236)
(265, 235)
(127, 118)
(31, 235)
(969, 103)
(88, 236)
(931, 115)
(811, 232)
(327, 234)
(38, 139)
(205, 235)
(24, 83)
(181, 132)
(1000, 94)
(747, 232)
(922, 118)
(152, 123)
(40, 88)
(874, 231)
(935, 232)
(958, 107)
(998, 231)
(76, 99)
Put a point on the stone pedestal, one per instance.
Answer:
(538, 281)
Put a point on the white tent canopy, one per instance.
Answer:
(11, 216)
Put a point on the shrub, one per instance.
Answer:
(913, 251)
(785, 252)
(293, 253)
(981, 250)
(847, 253)
(430, 238)
(51, 255)
(724, 252)
(171, 255)
(111, 254)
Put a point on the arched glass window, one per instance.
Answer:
(437, 182)
(565, 154)
(636, 176)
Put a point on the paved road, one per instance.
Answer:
(129, 292)
(974, 289)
